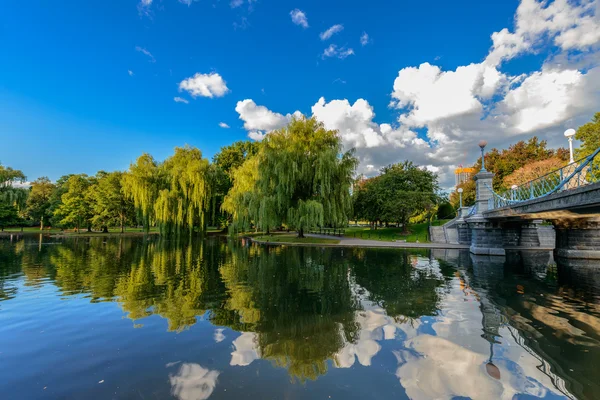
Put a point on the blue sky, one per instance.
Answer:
(86, 86)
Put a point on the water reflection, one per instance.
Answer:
(442, 324)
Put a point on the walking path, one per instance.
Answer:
(354, 242)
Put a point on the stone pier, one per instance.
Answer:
(578, 239)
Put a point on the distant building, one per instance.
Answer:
(462, 175)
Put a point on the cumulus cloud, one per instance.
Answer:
(364, 39)
(299, 18)
(205, 85)
(331, 31)
(259, 120)
(339, 52)
(571, 25)
(146, 53)
(180, 100)
(246, 349)
(130, 72)
(223, 125)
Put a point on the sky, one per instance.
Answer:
(88, 86)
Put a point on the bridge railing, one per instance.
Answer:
(579, 173)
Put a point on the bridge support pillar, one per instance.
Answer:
(578, 239)
(486, 239)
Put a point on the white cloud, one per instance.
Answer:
(146, 53)
(299, 18)
(259, 120)
(130, 72)
(364, 39)
(571, 25)
(331, 31)
(236, 3)
(193, 382)
(431, 94)
(180, 100)
(549, 97)
(335, 51)
(205, 85)
(218, 335)
(223, 125)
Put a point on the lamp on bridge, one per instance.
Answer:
(460, 192)
(482, 145)
(514, 190)
(569, 133)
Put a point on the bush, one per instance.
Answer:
(446, 211)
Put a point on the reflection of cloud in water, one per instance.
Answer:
(218, 336)
(193, 382)
(246, 349)
(444, 370)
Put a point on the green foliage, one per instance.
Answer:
(76, 206)
(174, 194)
(111, 207)
(298, 178)
(446, 211)
(401, 191)
(302, 170)
(38, 202)
(12, 199)
(589, 135)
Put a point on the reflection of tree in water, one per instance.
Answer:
(404, 285)
(11, 259)
(297, 301)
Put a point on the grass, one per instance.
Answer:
(290, 238)
(416, 232)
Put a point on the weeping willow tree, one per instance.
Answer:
(306, 175)
(174, 194)
(12, 198)
(142, 184)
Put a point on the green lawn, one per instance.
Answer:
(290, 238)
(416, 232)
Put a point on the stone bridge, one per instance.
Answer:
(565, 218)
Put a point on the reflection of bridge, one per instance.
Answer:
(568, 198)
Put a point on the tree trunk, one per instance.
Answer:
(301, 233)
(122, 227)
(89, 229)
(105, 229)
(42, 224)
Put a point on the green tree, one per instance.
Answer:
(76, 208)
(12, 198)
(589, 135)
(303, 177)
(111, 207)
(38, 201)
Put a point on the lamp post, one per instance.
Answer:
(460, 192)
(569, 133)
(482, 145)
(514, 190)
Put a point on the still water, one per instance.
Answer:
(141, 318)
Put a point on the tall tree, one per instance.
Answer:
(303, 176)
(142, 184)
(12, 197)
(110, 206)
(38, 202)
(183, 201)
(76, 208)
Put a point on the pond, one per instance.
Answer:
(145, 318)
